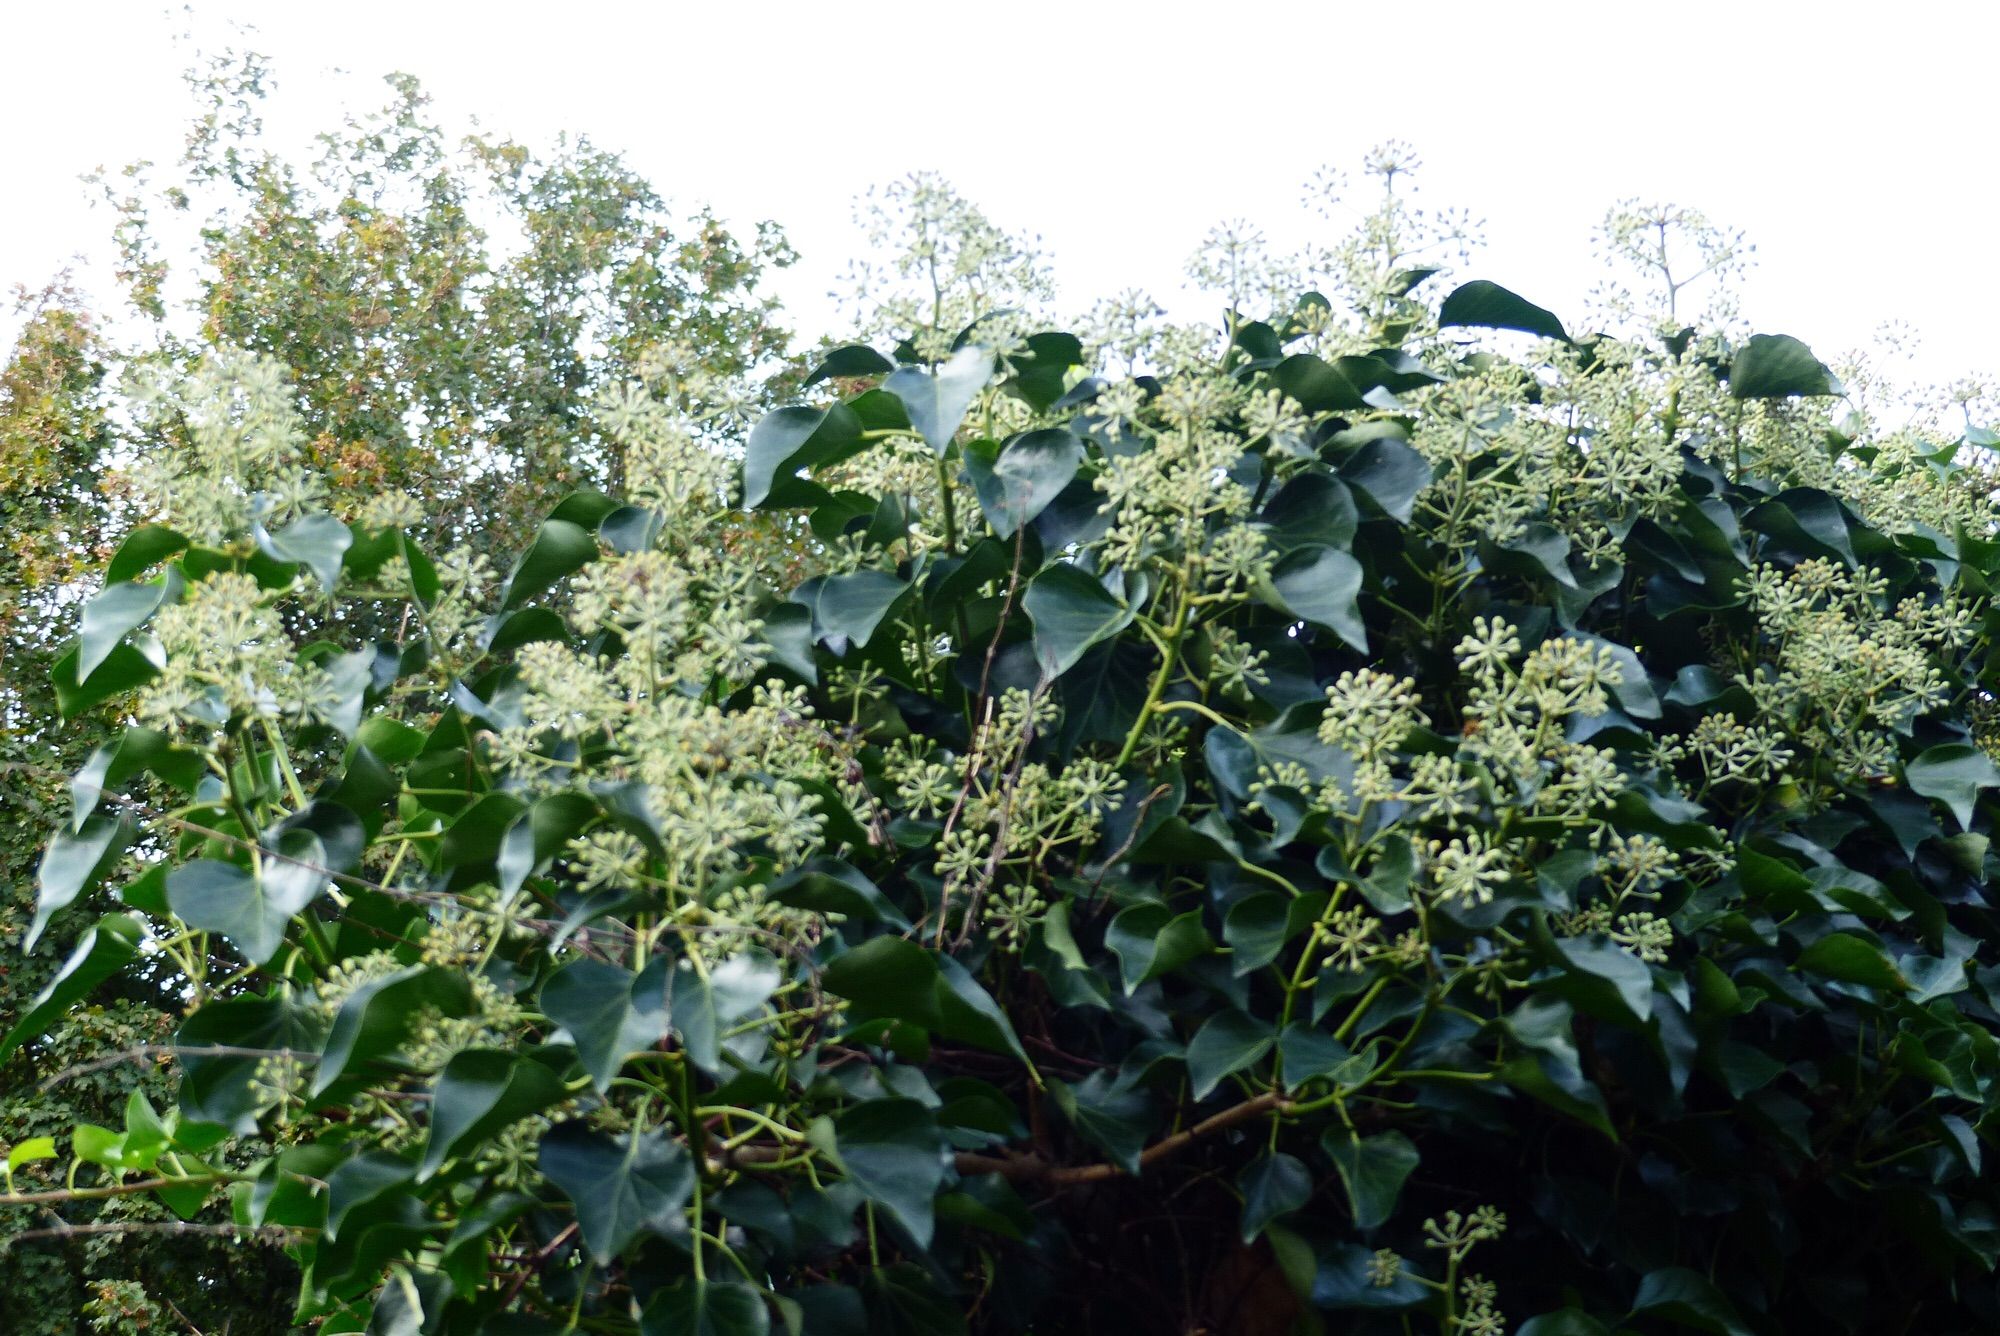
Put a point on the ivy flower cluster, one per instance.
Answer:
(1846, 675)
(242, 461)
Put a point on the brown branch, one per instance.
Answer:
(109, 1190)
(1031, 1167)
(535, 1263)
(267, 1233)
(137, 1051)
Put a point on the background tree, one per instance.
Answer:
(449, 314)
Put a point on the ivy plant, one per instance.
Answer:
(1422, 822)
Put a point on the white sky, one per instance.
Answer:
(1855, 145)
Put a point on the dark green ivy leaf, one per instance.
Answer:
(317, 542)
(1071, 612)
(1273, 1184)
(846, 609)
(1150, 940)
(1953, 773)
(1321, 585)
(375, 1017)
(1689, 1298)
(109, 616)
(101, 952)
(251, 909)
(1490, 306)
(561, 548)
(1015, 482)
(621, 1186)
(1778, 366)
(1851, 959)
(609, 1012)
(75, 861)
(480, 1093)
(853, 360)
(1390, 474)
(892, 1150)
(1227, 1043)
(1373, 1170)
(691, 1307)
(937, 400)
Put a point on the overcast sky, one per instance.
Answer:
(1855, 146)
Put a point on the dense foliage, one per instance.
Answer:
(1383, 817)
(445, 313)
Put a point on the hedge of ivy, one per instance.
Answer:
(1316, 836)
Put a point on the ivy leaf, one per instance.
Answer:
(1778, 366)
(846, 609)
(936, 400)
(357, 1182)
(1490, 306)
(1373, 1170)
(100, 953)
(693, 1307)
(1258, 926)
(135, 750)
(1226, 1043)
(788, 630)
(893, 977)
(1071, 612)
(222, 1087)
(251, 910)
(317, 542)
(621, 1186)
(1567, 1322)
(1850, 959)
(480, 1093)
(560, 548)
(830, 886)
(1313, 509)
(791, 439)
(851, 361)
(704, 1009)
(124, 669)
(1321, 585)
(143, 548)
(1560, 1085)
(892, 1150)
(1273, 1184)
(610, 1013)
(1109, 1111)
(1687, 1297)
(1017, 481)
(119, 609)
(1953, 773)
(1603, 962)
(1390, 474)
(75, 861)
(1150, 940)
(374, 1017)
(886, 976)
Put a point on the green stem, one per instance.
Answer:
(1170, 652)
(950, 510)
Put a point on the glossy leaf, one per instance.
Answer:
(74, 861)
(937, 399)
(1778, 366)
(621, 1186)
(1491, 306)
(1071, 611)
(1373, 1170)
(101, 952)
